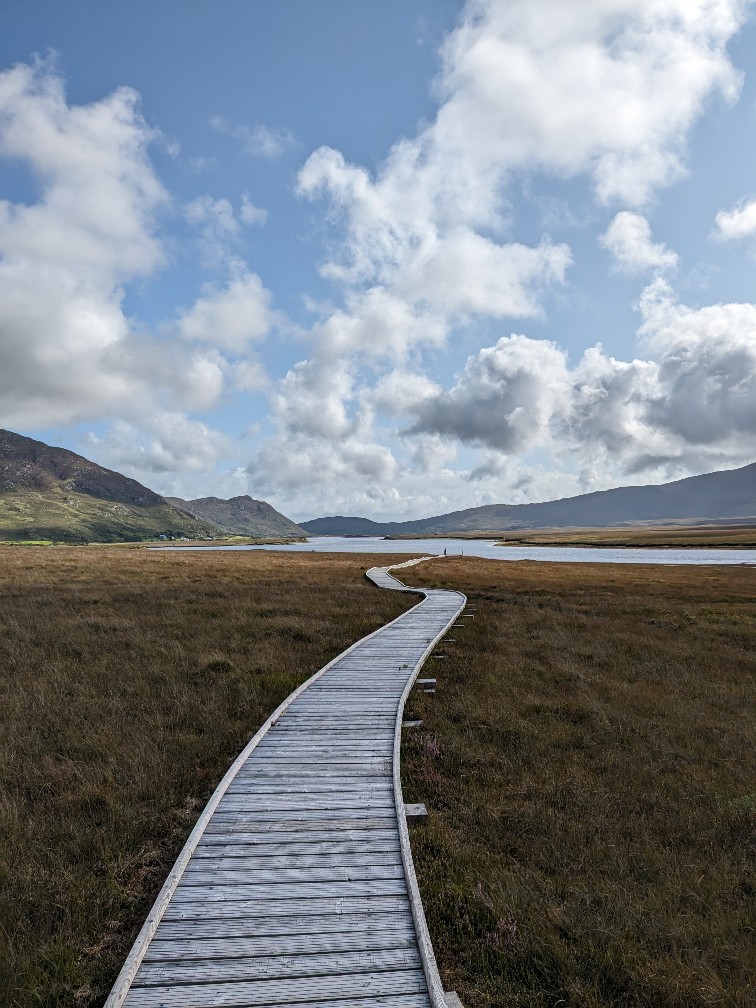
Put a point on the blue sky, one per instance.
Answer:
(389, 259)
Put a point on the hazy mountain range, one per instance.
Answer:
(53, 493)
(713, 497)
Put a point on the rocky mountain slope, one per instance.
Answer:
(713, 497)
(53, 493)
(239, 516)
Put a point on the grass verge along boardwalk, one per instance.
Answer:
(589, 776)
(296, 886)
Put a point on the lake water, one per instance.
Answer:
(487, 549)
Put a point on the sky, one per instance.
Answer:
(388, 259)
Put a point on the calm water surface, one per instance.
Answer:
(487, 549)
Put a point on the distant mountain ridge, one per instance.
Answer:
(53, 493)
(239, 516)
(715, 497)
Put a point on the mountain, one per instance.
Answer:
(53, 493)
(713, 497)
(239, 516)
(341, 525)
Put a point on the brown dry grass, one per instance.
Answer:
(734, 536)
(675, 536)
(129, 680)
(585, 760)
(588, 766)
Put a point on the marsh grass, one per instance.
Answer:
(584, 760)
(587, 764)
(676, 536)
(129, 681)
(733, 536)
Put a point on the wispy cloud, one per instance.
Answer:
(219, 225)
(259, 140)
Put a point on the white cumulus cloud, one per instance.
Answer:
(628, 239)
(505, 396)
(69, 353)
(230, 317)
(605, 91)
(66, 350)
(740, 222)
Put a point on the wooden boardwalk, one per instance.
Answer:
(296, 887)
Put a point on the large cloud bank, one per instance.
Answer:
(425, 251)
(606, 90)
(68, 350)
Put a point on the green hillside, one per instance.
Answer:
(53, 494)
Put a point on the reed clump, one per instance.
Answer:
(129, 681)
(587, 765)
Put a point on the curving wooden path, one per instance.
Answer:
(296, 887)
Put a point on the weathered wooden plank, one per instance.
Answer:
(163, 948)
(346, 991)
(340, 716)
(186, 892)
(308, 761)
(296, 906)
(276, 967)
(337, 785)
(280, 992)
(305, 763)
(341, 759)
(199, 875)
(338, 765)
(309, 926)
(325, 839)
(357, 747)
(306, 801)
(291, 826)
(254, 861)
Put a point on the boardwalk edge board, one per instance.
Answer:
(201, 834)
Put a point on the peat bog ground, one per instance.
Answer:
(129, 681)
(587, 765)
(584, 760)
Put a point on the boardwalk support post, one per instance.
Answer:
(415, 813)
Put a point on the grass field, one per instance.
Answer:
(675, 536)
(129, 681)
(584, 760)
(587, 762)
